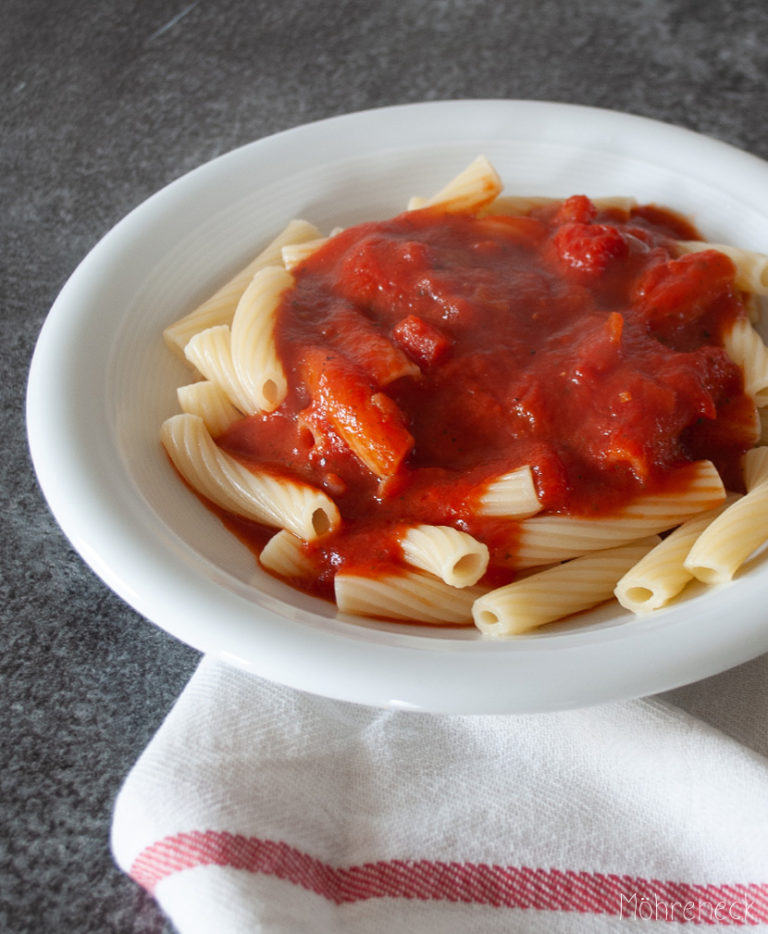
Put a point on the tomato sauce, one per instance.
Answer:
(460, 347)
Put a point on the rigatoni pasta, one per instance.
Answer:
(209, 401)
(733, 536)
(257, 365)
(220, 307)
(456, 557)
(285, 555)
(267, 498)
(293, 253)
(557, 591)
(408, 596)
(661, 575)
(544, 540)
(476, 187)
(524, 204)
(746, 347)
(210, 352)
(486, 409)
(511, 496)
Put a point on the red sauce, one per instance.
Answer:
(571, 340)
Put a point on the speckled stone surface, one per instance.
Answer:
(105, 102)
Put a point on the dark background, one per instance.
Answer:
(105, 102)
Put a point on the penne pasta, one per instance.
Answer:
(389, 367)
(556, 592)
(405, 595)
(210, 402)
(524, 204)
(210, 352)
(740, 530)
(417, 202)
(454, 556)
(753, 306)
(270, 499)
(543, 540)
(220, 307)
(258, 368)
(511, 496)
(755, 468)
(763, 418)
(615, 203)
(520, 204)
(661, 575)
(746, 348)
(284, 555)
(294, 253)
(474, 188)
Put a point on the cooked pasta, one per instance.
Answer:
(726, 543)
(257, 366)
(474, 188)
(524, 204)
(661, 575)
(366, 395)
(512, 496)
(556, 592)
(544, 540)
(210, 402)
(405, 595)
(745, 347)
(220, 307)
(210, 352)
(763, 426)
(454, 556)
(285, 555)
(270, 499)
(294, 253)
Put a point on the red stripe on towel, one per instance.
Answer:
(472, 883)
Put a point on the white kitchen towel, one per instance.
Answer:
(257, 808)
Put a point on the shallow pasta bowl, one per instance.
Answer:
(102, 382)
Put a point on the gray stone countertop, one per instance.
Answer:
(102, 104)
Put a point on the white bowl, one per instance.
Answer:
(102, 382)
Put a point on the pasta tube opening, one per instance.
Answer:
(323, 520)
(456, 557)
(641, 596)
(469, 567)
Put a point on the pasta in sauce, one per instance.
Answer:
(471, 394)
